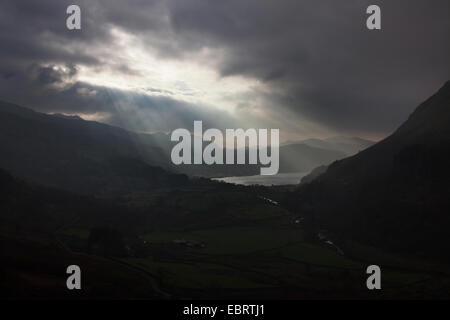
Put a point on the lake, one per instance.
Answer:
(277, 179)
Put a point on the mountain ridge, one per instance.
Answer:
(393, 194)
(73, 154)
(25, 134)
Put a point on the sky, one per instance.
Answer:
(309, 68)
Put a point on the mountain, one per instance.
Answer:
(297, 157)
(301, 157)
(70, 153)
(314, 174)
(347, 145)
(81, 156)
(394, 194)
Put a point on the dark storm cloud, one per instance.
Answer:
(333, 70)
(33, 31)
(53, 74)
(35, 43)
(320, 60)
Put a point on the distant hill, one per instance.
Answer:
(322, 152)
(69, 152)
(297, 157)
(395, 194)
(301, 157)
(347, 145)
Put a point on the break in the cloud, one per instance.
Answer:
(310, 67)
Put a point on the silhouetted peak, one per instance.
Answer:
(446, 86)
(15, 109)
(431, 116)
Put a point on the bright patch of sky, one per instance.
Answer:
(132, 66)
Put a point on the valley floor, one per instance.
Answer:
(236, 245)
